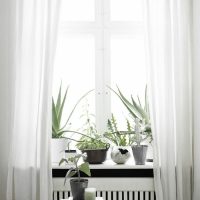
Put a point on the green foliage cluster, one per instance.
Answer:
(58, 130)
(137, 111)
(90, 138)
(76, 169)
(114, 135)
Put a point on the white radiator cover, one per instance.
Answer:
(111, 188)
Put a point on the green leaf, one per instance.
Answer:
(62, 106)
(139, 110)
(69, 117)
(55, 123)
(139, 101)
(85, 168)
(127, 104)
(71, 172)
(62, 161)
(59, 99)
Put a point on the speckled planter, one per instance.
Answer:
(120, 154)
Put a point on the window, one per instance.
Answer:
(101, 42)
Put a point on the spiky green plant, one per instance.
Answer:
(114, 135)
(136, 110)
(58, 130)
(76, 169)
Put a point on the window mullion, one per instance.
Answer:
(102, 65)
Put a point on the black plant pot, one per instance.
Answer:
(139, 154)
(78, 188)
(95, 156)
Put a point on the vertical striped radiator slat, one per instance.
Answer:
(112, 195)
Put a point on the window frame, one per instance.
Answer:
(102, 29)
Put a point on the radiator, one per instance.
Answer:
(111, 188)
(112, 195)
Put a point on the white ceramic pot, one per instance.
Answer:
(58, 146)
(120, 154)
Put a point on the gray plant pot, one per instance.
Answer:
(139, 154)
(95, 156)
(78, 188)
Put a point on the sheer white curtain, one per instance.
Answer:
(169, 37)
(34, 25)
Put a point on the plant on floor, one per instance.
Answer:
(76, 169)
(78, 184)
(58, 130)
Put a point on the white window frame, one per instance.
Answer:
(102, 29)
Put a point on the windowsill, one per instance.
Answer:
(110, 169)
(109, 164)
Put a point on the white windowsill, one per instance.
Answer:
(109, 164)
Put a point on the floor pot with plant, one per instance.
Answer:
(78, 184)
(59, 142)
(120, 142)
(141, 112)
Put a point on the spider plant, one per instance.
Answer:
(137, 110)
(58, 130)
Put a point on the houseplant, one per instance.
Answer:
(92, 142)
(78, 184)
(139, 111)
(59, 142)
(139, 150)
(119, 140)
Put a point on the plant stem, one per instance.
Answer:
(78, 171)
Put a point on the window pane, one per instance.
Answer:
(126, 10)
(127, 71)
(77, 10)
(74, 66)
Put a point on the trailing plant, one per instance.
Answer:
(76, 169)
(58, 130)
(137, 110)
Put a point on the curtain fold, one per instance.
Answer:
(196, 97)
(35, 28)
(169, 41)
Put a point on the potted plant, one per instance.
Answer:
(120, 141)
(139, 111)
(78, 184)
(95, 148)
(139, 150)
(59, 142)
(91, 141)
